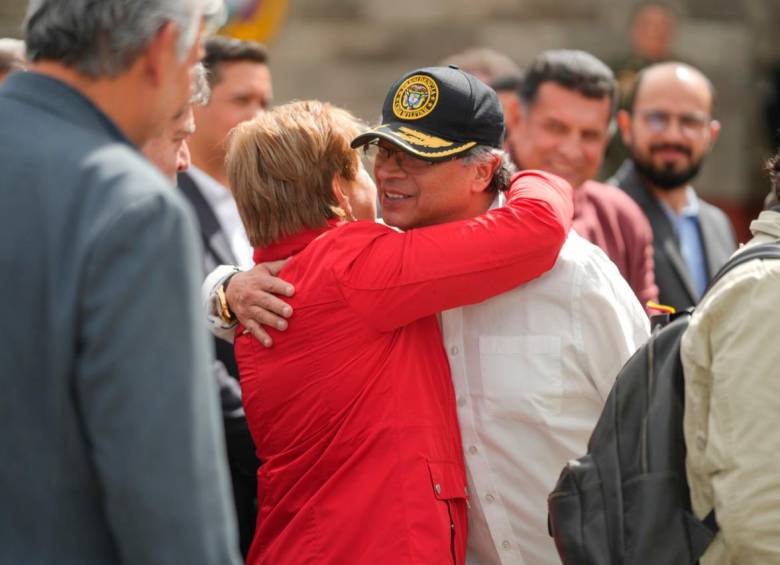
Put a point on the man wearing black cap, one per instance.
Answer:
(531, 367)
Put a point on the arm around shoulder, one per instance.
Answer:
(394, 278)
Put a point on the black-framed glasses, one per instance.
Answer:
(408, 163)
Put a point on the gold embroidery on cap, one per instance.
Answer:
(415, 98)
(419, 138)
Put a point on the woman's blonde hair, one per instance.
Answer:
(281, 167)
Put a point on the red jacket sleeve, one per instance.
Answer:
(395, 278)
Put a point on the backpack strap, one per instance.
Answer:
(763, 251)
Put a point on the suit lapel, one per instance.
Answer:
(663, 232)
(214, 239)
(678, 263)
(713, 242)
(666, 236)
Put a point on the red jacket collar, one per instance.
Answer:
(293, 244)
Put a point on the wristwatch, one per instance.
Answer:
(225, 314)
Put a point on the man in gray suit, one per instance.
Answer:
(669, 130)
(111, 441)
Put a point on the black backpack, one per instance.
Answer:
(627, 500)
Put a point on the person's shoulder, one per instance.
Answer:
(349, 238)
(121, 172)
(718, 222)
(579, 252)
(748, 289)
(613, 195)
(119, 190)
(358, 233)
(711, 211)
(616, 201)
(586, 261)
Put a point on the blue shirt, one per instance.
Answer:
(688, 230)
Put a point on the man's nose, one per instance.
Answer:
(388, 169)
(673, 130)
(571, 147)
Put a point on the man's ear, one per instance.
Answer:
(715, 128)
(483, 172)
(512, 112)
(156, 57)
(624, 124)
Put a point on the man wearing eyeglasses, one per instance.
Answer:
(531, 367)
(668, 129)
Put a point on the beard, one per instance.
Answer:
(666, 177)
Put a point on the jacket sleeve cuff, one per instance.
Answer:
(209, 296)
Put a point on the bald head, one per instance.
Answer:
(676, 80)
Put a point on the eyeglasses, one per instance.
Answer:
(381, 154)
(691, 124)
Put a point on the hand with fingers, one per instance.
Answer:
(253, 296)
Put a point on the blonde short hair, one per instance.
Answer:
(281, 167)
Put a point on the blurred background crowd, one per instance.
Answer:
(349, 51)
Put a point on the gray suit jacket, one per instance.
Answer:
(674, 282)
(111, 439)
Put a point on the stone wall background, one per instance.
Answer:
(349, 52)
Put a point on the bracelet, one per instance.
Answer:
(225, 314)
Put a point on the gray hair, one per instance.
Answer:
(502, 176)
(103, 39)
(201, 92)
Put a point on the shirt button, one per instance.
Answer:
(454, 350)
(461, 401)
(437, 488)
(490, 498)
(473, 449)
(506, 545)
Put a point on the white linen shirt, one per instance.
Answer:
(532, 369)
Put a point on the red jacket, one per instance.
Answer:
(353, 410)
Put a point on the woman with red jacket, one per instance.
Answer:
(352, 411)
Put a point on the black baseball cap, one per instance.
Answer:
(436, 113)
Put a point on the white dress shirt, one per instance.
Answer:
(224, 206)
(532, 369)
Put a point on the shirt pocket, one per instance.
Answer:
(521, 377)
(449, 489)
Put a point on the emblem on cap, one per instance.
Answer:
(415, 98)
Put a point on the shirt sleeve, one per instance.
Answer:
(208, 292)
(610, 324)
(739, 356)
(397, 278)
(146, 394)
